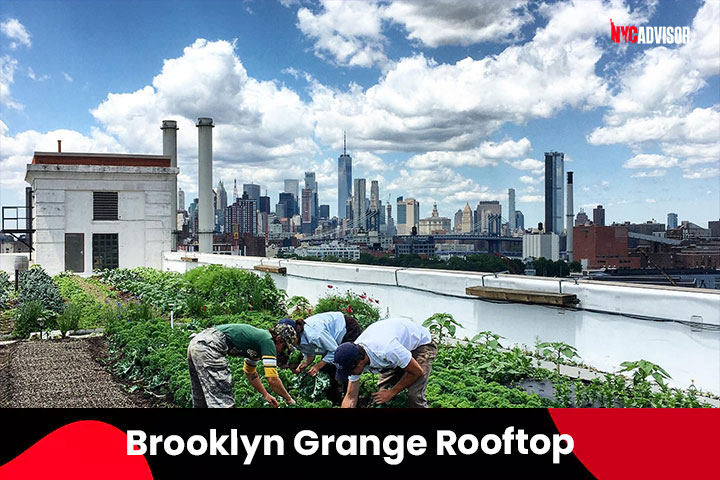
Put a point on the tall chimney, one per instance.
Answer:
(169, 128)
(569, 216)
(206, 223)
(59, 149)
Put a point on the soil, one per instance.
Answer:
(61, 373)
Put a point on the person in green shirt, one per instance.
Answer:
(210, 377)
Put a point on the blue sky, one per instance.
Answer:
(448, 102)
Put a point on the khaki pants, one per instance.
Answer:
(210, 377)
(424, 355)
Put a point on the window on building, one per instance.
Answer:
(105, 250)
(105, 205)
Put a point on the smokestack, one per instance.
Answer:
(169, 128)
(59, 149)
(569, 216)
(206, 219)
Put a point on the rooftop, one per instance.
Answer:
(102, 159)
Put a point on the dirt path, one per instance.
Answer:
(61, 373)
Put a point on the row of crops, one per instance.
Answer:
(149, 353)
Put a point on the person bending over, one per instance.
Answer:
(400, 350)
(321, 334)
(210, 377)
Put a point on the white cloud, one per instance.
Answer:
(17, 151)
(485, 155)
(652, 173)
(422, 105)
(532, 198)
(650, 200)
(535, 166)
(528, 180)
(650, 161)
(368, 162)
(696, 174)
(67, 76)
(448, 22)
(257, 122)
(654, 102)
(8, 65)
(348, 32)
(32, 76)
(16, 32)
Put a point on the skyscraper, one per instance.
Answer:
(252, 190)
(374, 218)
(483, 212)
(345, 181)
(235, 191)
(467, 219)
(325, 211)
(288, 200)
(408, 215)
(293, 186)
(519, 220)
(181, 199)
(242, 216)
(307, 205)
(221, 203)
(511, 209)
(672, 220)
(457, 227)
(554, 192)
(581, 219)
(599, 216)
(358, 202)
(314, 207)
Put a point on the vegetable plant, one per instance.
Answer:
(440, 325)
(557, 352)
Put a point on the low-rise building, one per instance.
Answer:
(94, 211)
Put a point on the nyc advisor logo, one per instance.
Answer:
(649, 35)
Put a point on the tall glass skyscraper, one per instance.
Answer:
(554, 192)
(344, 180)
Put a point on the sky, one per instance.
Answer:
(444, 101)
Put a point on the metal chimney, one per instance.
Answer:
(59, 146)
(169, 128)
(569, 216)
(206, 221)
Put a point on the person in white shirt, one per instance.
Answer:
(400, 350)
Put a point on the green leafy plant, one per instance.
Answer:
(70, 318)
(643, 369)
(35, 284)
(299, 307)
(557, 352)
(488, 338)
(27, 319)
(5, 290)
(360, 306)
(441, 325)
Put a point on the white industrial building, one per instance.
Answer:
(94, 211)
(543, 245)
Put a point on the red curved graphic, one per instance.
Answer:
(638, 443)
(80, 450)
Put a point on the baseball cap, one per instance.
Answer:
(287, 333)
(287, 321)
(346, 356)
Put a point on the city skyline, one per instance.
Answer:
(632, 122)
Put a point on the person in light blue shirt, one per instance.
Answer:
(320, 335)
(400, 350)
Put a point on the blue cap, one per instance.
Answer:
(287, 321)
(346, 356)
